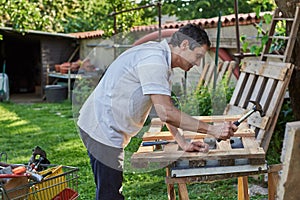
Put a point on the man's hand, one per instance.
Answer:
(195, 146)
(222, 131)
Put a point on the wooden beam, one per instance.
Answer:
(243, 188)
(289, 183)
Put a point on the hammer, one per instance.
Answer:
(256, 107)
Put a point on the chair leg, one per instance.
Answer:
(243, 188)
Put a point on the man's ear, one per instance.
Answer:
(184, 45)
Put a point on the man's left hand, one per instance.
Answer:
(196, 146)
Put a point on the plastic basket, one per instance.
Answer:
(53, 184)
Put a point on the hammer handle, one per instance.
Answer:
(238, 122)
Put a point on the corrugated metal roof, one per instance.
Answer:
(9, 29)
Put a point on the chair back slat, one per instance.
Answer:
(265, 83)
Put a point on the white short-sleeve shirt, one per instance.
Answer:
(118, 107)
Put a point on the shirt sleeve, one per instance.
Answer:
(154, 76)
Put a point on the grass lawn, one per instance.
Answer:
(52, 127)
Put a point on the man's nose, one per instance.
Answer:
(198, 61)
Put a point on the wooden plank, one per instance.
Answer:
(243, 188)
(272, 122)
(209, 76)
(234, 110)
(277, 95)
(289, 182)
(222, 69)
(166, 135)
(224, 145)
(248, 88)
(256, 90)
(169, 148)
(156, 126)
(170, 187)
(229, 72)
(267, 94)
(238, 88)
(251, 145)
(256, 120)
(183, 192)
(145, 149)
(273, 179)
(218, 118)
(203, 75)
(266, 69)
(163, 157)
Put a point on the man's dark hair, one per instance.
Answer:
(195, 34)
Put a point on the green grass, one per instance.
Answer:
(52, 127)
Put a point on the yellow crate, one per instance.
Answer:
(51, 185)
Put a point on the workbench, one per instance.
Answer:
(222, 162)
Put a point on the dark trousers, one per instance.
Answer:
(108, 181)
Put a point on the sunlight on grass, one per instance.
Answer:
(52, 127)
(12, 121)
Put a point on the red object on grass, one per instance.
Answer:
(66, 194)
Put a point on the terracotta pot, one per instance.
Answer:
(57, 68)
(66, 64)
(64, 69)
(75, 66)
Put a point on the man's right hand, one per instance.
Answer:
(222, 131)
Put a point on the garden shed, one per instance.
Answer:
(29, 55)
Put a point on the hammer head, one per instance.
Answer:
(257, 107)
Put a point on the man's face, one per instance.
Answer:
(190, 58)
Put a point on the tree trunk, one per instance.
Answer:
(288, 10)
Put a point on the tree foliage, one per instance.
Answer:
(67, 15)
(195, 9)
(80, 15)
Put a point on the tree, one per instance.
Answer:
(195, 9)
(67, 16)
(288, 10)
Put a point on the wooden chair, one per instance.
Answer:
(261, 81)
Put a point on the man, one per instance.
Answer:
(118, 107)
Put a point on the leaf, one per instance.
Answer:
(267, 18)
(257, 11)
(264, 39)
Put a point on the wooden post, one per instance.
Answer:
(243, 188)
(273, 179)
(183, 192)
(170, 187)
(289, 183)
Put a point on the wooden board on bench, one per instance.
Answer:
(171, 153)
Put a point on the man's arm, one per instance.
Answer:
(185, 145)
(169, 114)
